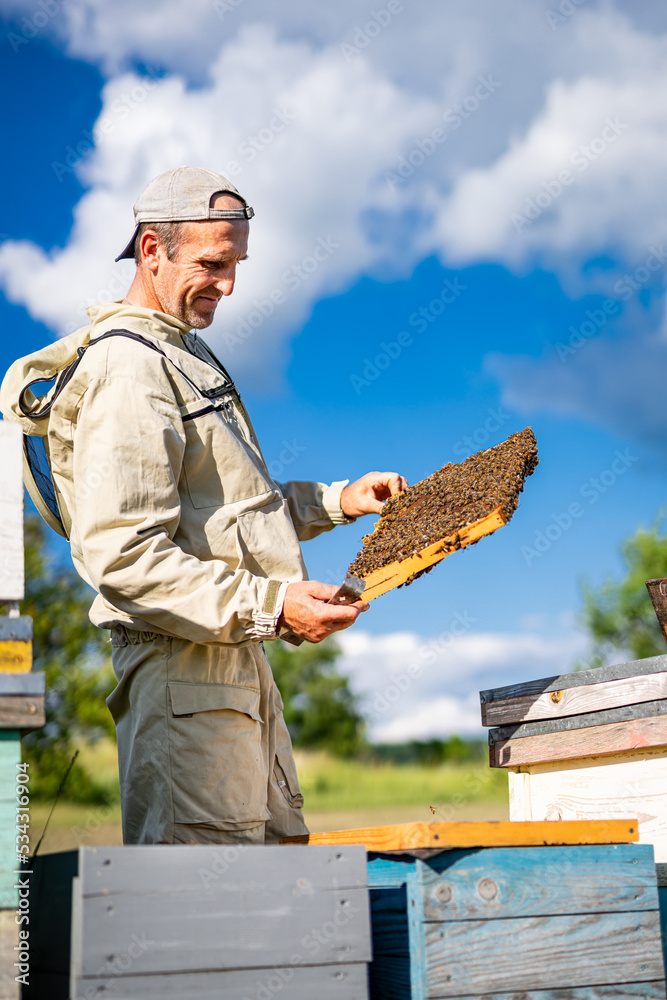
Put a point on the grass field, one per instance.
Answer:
(339, 794)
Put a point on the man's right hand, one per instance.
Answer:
(306, 612)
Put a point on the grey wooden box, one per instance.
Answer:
(198, 923)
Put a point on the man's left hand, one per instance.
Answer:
(367, 494)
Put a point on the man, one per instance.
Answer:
(173, 518)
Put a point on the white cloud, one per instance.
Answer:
(583, 179)
(319, 133)
(417, 688)
(348, 119)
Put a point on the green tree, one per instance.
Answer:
(619, 615)
(75, 657)
(321, 711)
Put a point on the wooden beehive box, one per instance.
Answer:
(588, 745)
(535, 923)
(511, 911)
(200, 922)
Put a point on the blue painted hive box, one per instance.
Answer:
(517, 923)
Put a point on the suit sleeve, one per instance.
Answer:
(315, 507)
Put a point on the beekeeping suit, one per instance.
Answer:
(175, 521)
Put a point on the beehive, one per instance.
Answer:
(588, 745)
(536, 923)
(192, 922)
(511, 911)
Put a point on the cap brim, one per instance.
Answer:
(128, 252)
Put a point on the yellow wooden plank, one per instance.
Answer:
(396, 573)
(411, 836)
(15, 657)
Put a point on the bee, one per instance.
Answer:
(438, 507)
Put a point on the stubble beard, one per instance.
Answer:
(185, 313)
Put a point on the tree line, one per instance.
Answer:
(321, 710)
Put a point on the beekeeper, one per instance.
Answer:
(160, 484)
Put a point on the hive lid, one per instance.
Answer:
(576, 694)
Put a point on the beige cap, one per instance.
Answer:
(184, 195)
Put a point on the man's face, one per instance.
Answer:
(190, 287)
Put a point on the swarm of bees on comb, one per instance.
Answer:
(452, 498)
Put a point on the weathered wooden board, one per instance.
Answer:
(11, 512)
(17, 629)
(589, 742)
(410, 836)
(10, 756)
(626, 713)
(9, 939)
(342, 982)
(576, 700)
(230, 869)
(17, 712)
(194, 930)
(538, 881)
(600, 788)
(476, 957)
(233, 906)
(486, 900)
(28, 685)
(628, 991)
(389, 871)
(395, 574)
(662, 897)
(175, 910)
(616, 671)
(16, 657)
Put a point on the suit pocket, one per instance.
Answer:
(217, 755)
(284, 771)
(219, 466)
(267, 544)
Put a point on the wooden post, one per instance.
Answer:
(21, 697)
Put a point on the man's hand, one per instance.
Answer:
(309, 616)
(367, 495)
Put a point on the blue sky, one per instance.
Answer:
(486, 189)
